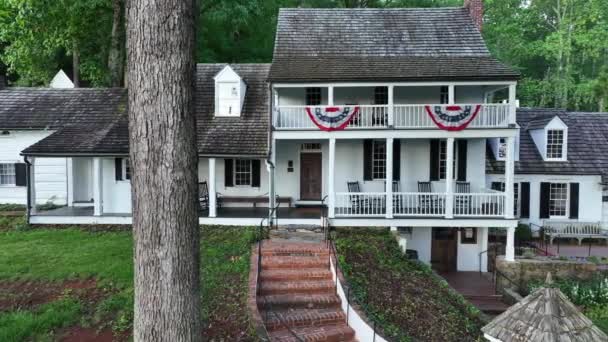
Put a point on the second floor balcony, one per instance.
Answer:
(395, 107)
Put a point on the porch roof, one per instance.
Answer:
(404, 44)
(91, 133)
(587, 145)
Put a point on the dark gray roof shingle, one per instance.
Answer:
(44, 108)
(587, 144)
(246, 135)
(381, 44)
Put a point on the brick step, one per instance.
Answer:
(294, 262)
(299, 301)
(490, 306)
(328, 333)
(483, 297)
(295, 287)
(295, 253)
(303, 318)
(296, 274)
(284, 249)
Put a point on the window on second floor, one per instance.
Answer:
(555, 144)
(443, 157)
(313, 96)
(379, 159)
(444, 95)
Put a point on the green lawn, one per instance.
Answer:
(405, 299)
(54, 256)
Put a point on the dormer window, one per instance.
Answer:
(229, 93)
(555, 144)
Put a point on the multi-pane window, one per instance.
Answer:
(379, 160)
(381, 95)
(242, 172)
(555, 144)
(558, 199)
(7, 174)
(313, 96)
(443, 158)
(127, 164)
(444, 95)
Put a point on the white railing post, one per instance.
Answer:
(389, 178)
(331, 190)
(509, 178)
(449, 179)
(212, 194)
(391, 106)
(97, 187)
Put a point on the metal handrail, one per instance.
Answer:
(498, 273)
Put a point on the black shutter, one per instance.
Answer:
(255, 173)
(496, 186)
(367, 159)
(228, 173)
(462, 160)
(396, 159)
(118, 169)
(545, 188)
(525, 200)
(573, 200)
(20, 174)
(434, 168)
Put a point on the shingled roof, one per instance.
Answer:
(246, 135)
(545, 315)
(587, 144)
(44, 108)
(382, 44)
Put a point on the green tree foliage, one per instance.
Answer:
(560, 46)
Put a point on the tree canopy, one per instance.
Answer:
(560, 46)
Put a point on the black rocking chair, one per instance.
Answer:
(203, 196)
(426, 203)
(358, 203)
(462, 202)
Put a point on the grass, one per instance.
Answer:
(58, 255)
(404, 298)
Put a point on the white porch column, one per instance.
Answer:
(275, 109)
(483, 236)
(389, 178)
(70, 181)
(212, 194)
(449, 179)
(391, 106)
(509, 175)
(330, 188)
(512, 103)
(97, 187)
(271, 167)
(510, 249)
(330, 95)
(32, 186)
(451, 94)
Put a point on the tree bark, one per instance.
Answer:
(162, 140)
(75, 65)
(115, 57)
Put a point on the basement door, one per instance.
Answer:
(310, 176)
(444, 249)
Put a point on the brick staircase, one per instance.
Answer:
(297, 291)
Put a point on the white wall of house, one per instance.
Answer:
(116, 194)
(82, 171)
(468, 254)
(50, 173)
(590, 194)
(420, 241)
(415, 164)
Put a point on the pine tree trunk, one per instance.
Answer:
(115, 57)
(161, 39)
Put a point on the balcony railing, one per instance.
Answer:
(404, 117)
(419, 204)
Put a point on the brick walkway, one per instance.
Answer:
(297, 290)
(477, 289)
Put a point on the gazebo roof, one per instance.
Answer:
(545, 315)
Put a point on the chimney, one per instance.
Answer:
(475, 8)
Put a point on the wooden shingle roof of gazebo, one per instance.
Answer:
(546, 315)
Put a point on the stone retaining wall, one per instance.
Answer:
(524, 271)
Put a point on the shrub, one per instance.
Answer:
(523, 233)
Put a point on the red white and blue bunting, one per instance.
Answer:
(452, 117)
(332, 118)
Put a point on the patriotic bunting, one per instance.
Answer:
(452, 117)
(331, 118)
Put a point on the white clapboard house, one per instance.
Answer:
(387, 117)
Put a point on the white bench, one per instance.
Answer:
(576, 230)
